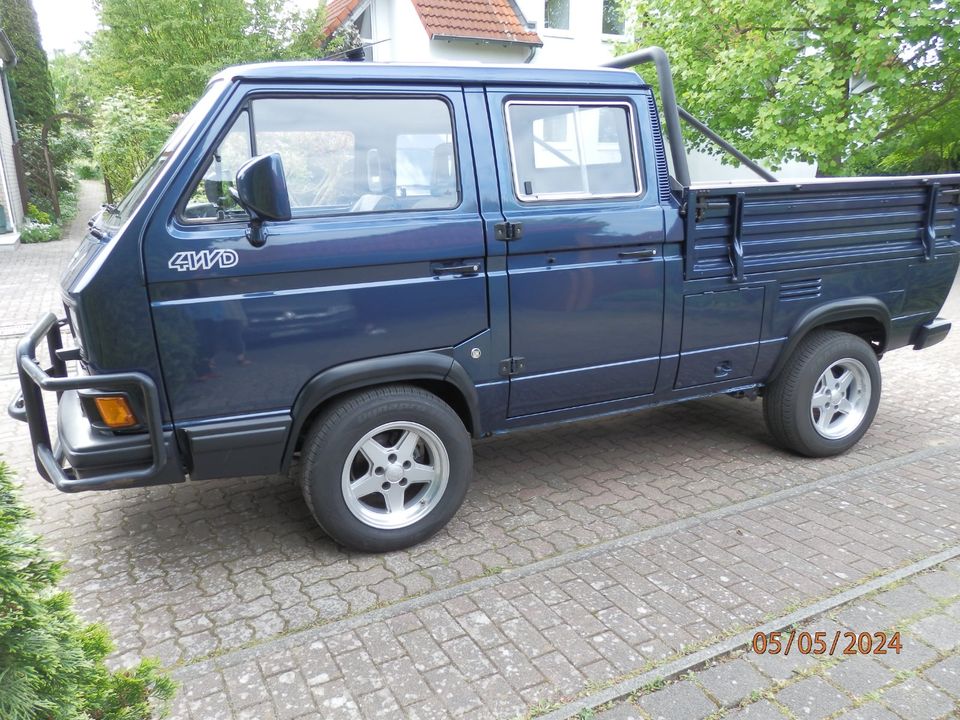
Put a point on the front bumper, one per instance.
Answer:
(95, 460)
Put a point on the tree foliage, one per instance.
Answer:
(127, 132)
(30, 87)
(72, 90)
(51, 663)
(850, 84)
(169, 49)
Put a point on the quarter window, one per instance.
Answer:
(561, 150)
(340, 156)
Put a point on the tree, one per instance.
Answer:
(169, 49)
(848, 84)
(52, 663)
(30, 87)
(70, 73)
(127, 131)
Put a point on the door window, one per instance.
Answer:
(563, 150)
(340, 156)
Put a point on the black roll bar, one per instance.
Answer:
(672, 113)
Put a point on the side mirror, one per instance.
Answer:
(262, 191)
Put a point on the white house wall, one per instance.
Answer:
(9, 190)
(583, 45)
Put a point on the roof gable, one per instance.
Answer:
(497, 20)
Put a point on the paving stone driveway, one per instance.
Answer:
(582, 553)
(866, 681)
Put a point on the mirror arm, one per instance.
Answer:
(255, 234)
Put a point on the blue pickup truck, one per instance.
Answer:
(364, 266)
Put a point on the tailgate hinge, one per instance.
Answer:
(511, 366)
(507, 231)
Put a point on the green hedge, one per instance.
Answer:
(52, 663)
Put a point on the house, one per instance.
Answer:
(565, 33)
(555, 32)
(11, 194)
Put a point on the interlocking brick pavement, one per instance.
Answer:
(582, 553)
(842, 686)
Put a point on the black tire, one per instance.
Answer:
(787, 402)
(335, 438)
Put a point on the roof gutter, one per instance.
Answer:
(7, 54)
(488, 41)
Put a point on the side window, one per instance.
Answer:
(340, 156)
(564, 150)
(353, 155)
(210, 200)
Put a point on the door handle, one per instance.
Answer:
(638, 254)
(467, 269)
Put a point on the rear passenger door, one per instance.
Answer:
(584, 234)
(384, 254)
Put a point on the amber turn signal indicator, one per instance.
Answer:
(115, 411)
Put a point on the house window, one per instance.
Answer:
(613, 17)
(593, 157)
(557, 14)
(365, 29)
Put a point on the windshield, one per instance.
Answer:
(115, 215)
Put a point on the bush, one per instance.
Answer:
(52, 663)
(128, 131)
(65, 145)
(68, 206)
(35, 232)
(38, 215)
(87, 171)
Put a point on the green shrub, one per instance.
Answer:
(38, 215)
(128, 131)
(34, 232)
(87, 171)
(52, 663)
(66, 145)
(68, 206)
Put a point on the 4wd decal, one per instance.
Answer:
(203, 260)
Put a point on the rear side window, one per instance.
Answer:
(340, 156)
(572, 150)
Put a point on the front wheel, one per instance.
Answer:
(386, 468)
(826, 397)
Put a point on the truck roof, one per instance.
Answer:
(474, 73)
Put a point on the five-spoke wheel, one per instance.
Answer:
(840, 399)
(395, 475)
(386, 468)
(826, 396)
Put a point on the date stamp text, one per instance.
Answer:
(822, 643)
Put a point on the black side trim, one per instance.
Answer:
(930, 333)
(409, 367)
(838, 311)
(237, 448)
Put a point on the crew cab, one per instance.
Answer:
(365, 266)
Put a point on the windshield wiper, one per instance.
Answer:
(111, 208)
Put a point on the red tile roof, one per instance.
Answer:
(338, 12)
(496, 20)
(484, 19)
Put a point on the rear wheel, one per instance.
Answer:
(826, 397)
(386, 468)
